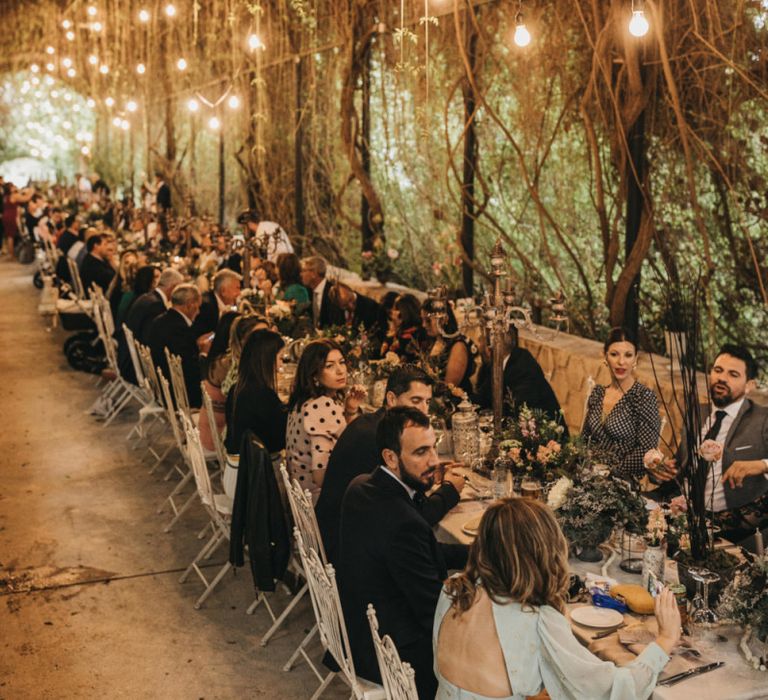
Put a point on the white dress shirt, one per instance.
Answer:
(164, 298)
(715, 493)
(317, 300)
(411, 492)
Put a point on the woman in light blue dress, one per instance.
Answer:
(500, 630)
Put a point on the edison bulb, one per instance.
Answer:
(255, 42)
(91, 10)
(233, 102)
(110, 102)
(141, 69)
(117, 121)
(181, 64)
(131, 106)
(638, 25)
(170, 10)
(97, 26)
(66, 62)
(70, 35)
(143, 15)
(193, 106)
(93, 59)
(66, 24)
(50, 50)
(34, 68)
(71, 72)
(214, 123)
(522, 35)
(103, 69)
(50, 67)
(125, 125)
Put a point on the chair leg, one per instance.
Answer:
(326, 682)
(176, 491)
(212, 585)
(283, 615)
(210, 544)
(184, 508)
(300, 649)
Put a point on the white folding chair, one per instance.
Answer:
(150, 375)
(218, 443)
(331, 626)
(398, 677)
(178, 383)
(151, 409)
(217, 506)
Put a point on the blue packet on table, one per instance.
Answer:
(601, 599)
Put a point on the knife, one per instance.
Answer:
(692, 672)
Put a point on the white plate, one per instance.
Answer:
(590, 616)
(472, 525)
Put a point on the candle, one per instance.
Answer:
(759, 547)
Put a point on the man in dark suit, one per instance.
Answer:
(355, 453)
(388, 553)
(163, 196)
(141, 314)
(226, 289)
(173, 330)
(738, 480)
(324, 313)
(358, 309)
(524, 382)
(96, 268)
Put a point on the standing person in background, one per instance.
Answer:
(12, 201)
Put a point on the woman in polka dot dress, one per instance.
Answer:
(318, 412)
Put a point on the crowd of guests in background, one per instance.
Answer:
(371, 474)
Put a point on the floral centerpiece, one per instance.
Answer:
(745, 602)
(591, 504)
(533, 443)
(355, 343)
(379, 261)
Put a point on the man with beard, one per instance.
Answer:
(388, 554)
(737, 486)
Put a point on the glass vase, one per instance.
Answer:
(654, 558)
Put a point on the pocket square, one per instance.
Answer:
(742, 447)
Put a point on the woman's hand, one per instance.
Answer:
(355, 396)
(668, 619)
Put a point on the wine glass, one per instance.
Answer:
(485, 426)
(440, 428)
(701, 614)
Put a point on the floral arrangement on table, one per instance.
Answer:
(533, 443)
(655, 533)
(445, 398)
(379, 262)
(592, 503)
(745, 602)
(355, 343)
(385, 366)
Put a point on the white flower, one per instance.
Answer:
(392, 254)
(711, 450)
(559, 492)
(653, 458)
(392, 358)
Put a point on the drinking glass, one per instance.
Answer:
(531, 488)
(441, 435)
(701, 614)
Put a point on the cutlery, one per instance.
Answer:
(692, 672)
(608, 633)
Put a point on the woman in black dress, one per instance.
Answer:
(253, 403)
(623, 417)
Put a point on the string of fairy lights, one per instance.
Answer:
(197, 104)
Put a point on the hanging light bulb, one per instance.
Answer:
(71, 72)
(522, 35)
(117, 121)
(214, 123)
(233, 102)
(70, 35)
(131, 106)
(93, 59)
(97, 26)
(144, 15)
(66, 24)
(141, 69)
(638, 25)
(49, 79)
(90, 102)
(255, 42)
(193, 106)
(50, 67)
(50, 50)
(75, 108)
(85, 151)
(92, 11)
(125, 125)
(66, 62)
(181, 64)
(170, 10)
(103, 69)
(34, 68)
(110, 102)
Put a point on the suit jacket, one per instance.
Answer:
(367, 313)
(208, 317)
(524, 378)
(389, 557)
(330, 314)
(354, 454)
(747, 439)
(141, 314)
(95, 270)
(170, 330)
(164, 197)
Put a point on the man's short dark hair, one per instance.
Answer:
(70, 220)
(402, 377)
(93, 241)
(741, 353)
(393, 422)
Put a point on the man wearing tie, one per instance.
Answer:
(737, 484)
(324, 313)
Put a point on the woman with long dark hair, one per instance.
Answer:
(623, 417)
(500, 629)
(318, 412)
(405, 332)
(253, 403)
(144, 280)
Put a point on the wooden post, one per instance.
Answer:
(222, 181)
(365, 149)
(635, 204)
(467, 239)
(298, 158)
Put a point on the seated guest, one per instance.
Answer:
(241, 328)
(457, 360)
(359, 310)
(405, 332)
(173, 330)
(253, 403)
(149, 306)
(355, 453)
(226, 289)
(623, 417)
(524, 382)
(69, 237)
(737, 484)
(318, 412)
(324, 313)
(214, 370)
(388, 554)
(500, 628)
(145, 280)
(97, 268)
(289, 272)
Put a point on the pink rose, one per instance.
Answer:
(554, 446)
(543, 453)
(653, 459)
(678, 505)
(711, 450)
(514, 454)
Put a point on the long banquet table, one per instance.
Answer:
(734, 681)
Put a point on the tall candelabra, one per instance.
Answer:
(496, 314)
